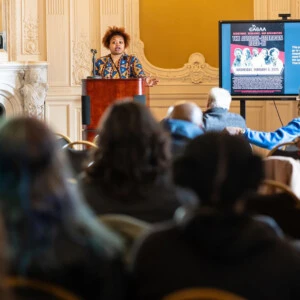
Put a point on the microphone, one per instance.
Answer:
(94, 51)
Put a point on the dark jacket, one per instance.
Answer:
(216, 119)
(155, 203)
(75, 265)
(181, 132)
(233, 253)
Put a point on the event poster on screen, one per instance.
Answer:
(260, 58)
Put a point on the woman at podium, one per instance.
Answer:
(119, 64)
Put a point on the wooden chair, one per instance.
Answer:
(129, 228)
(202, 294)
(87, 144)
(285, 170)
(28, 289)
(277, 201)
(269, 186)
(95, 140)
(289, 149)
(62, 139)
(78, 153)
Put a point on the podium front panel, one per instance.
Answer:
(104, 92)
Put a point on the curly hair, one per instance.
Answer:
(111, 32)
(134, 150)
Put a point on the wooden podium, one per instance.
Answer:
(102, 93)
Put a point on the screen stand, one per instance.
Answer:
(243, 108)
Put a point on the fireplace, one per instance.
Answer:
(23, 89)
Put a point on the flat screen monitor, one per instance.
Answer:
(260, 59)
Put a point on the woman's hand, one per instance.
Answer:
(234, 130)
(151, 81)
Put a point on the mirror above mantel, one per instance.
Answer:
(3, 31)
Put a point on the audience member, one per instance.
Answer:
(217, 116)
(52, 235)
(184, 123)
(130, 173)
(219, 245)
(269, 140)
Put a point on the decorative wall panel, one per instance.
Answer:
(58, 42)
(55, 7)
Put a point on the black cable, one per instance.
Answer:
(277, 112)
(116, 67)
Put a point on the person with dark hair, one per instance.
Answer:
(52, 235)
(119, 64)
(130, 170)
(183, 122)
(217, 245)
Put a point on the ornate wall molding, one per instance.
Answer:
(110, 7)
(55, 7)
(30, 43)
(81, 62)
(195, 71)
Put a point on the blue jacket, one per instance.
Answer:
(271, 139)
(182, 128)
(181, 132)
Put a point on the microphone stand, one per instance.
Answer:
(94, 51)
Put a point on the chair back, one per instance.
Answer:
(28, 289)
(95, 139)
(129, 228)
(289, 149)
(62, 140)
(202, 294)
(78, 158)
(285, 170)
(277, 201)
(271, 187)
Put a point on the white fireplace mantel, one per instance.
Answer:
(23, 88)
